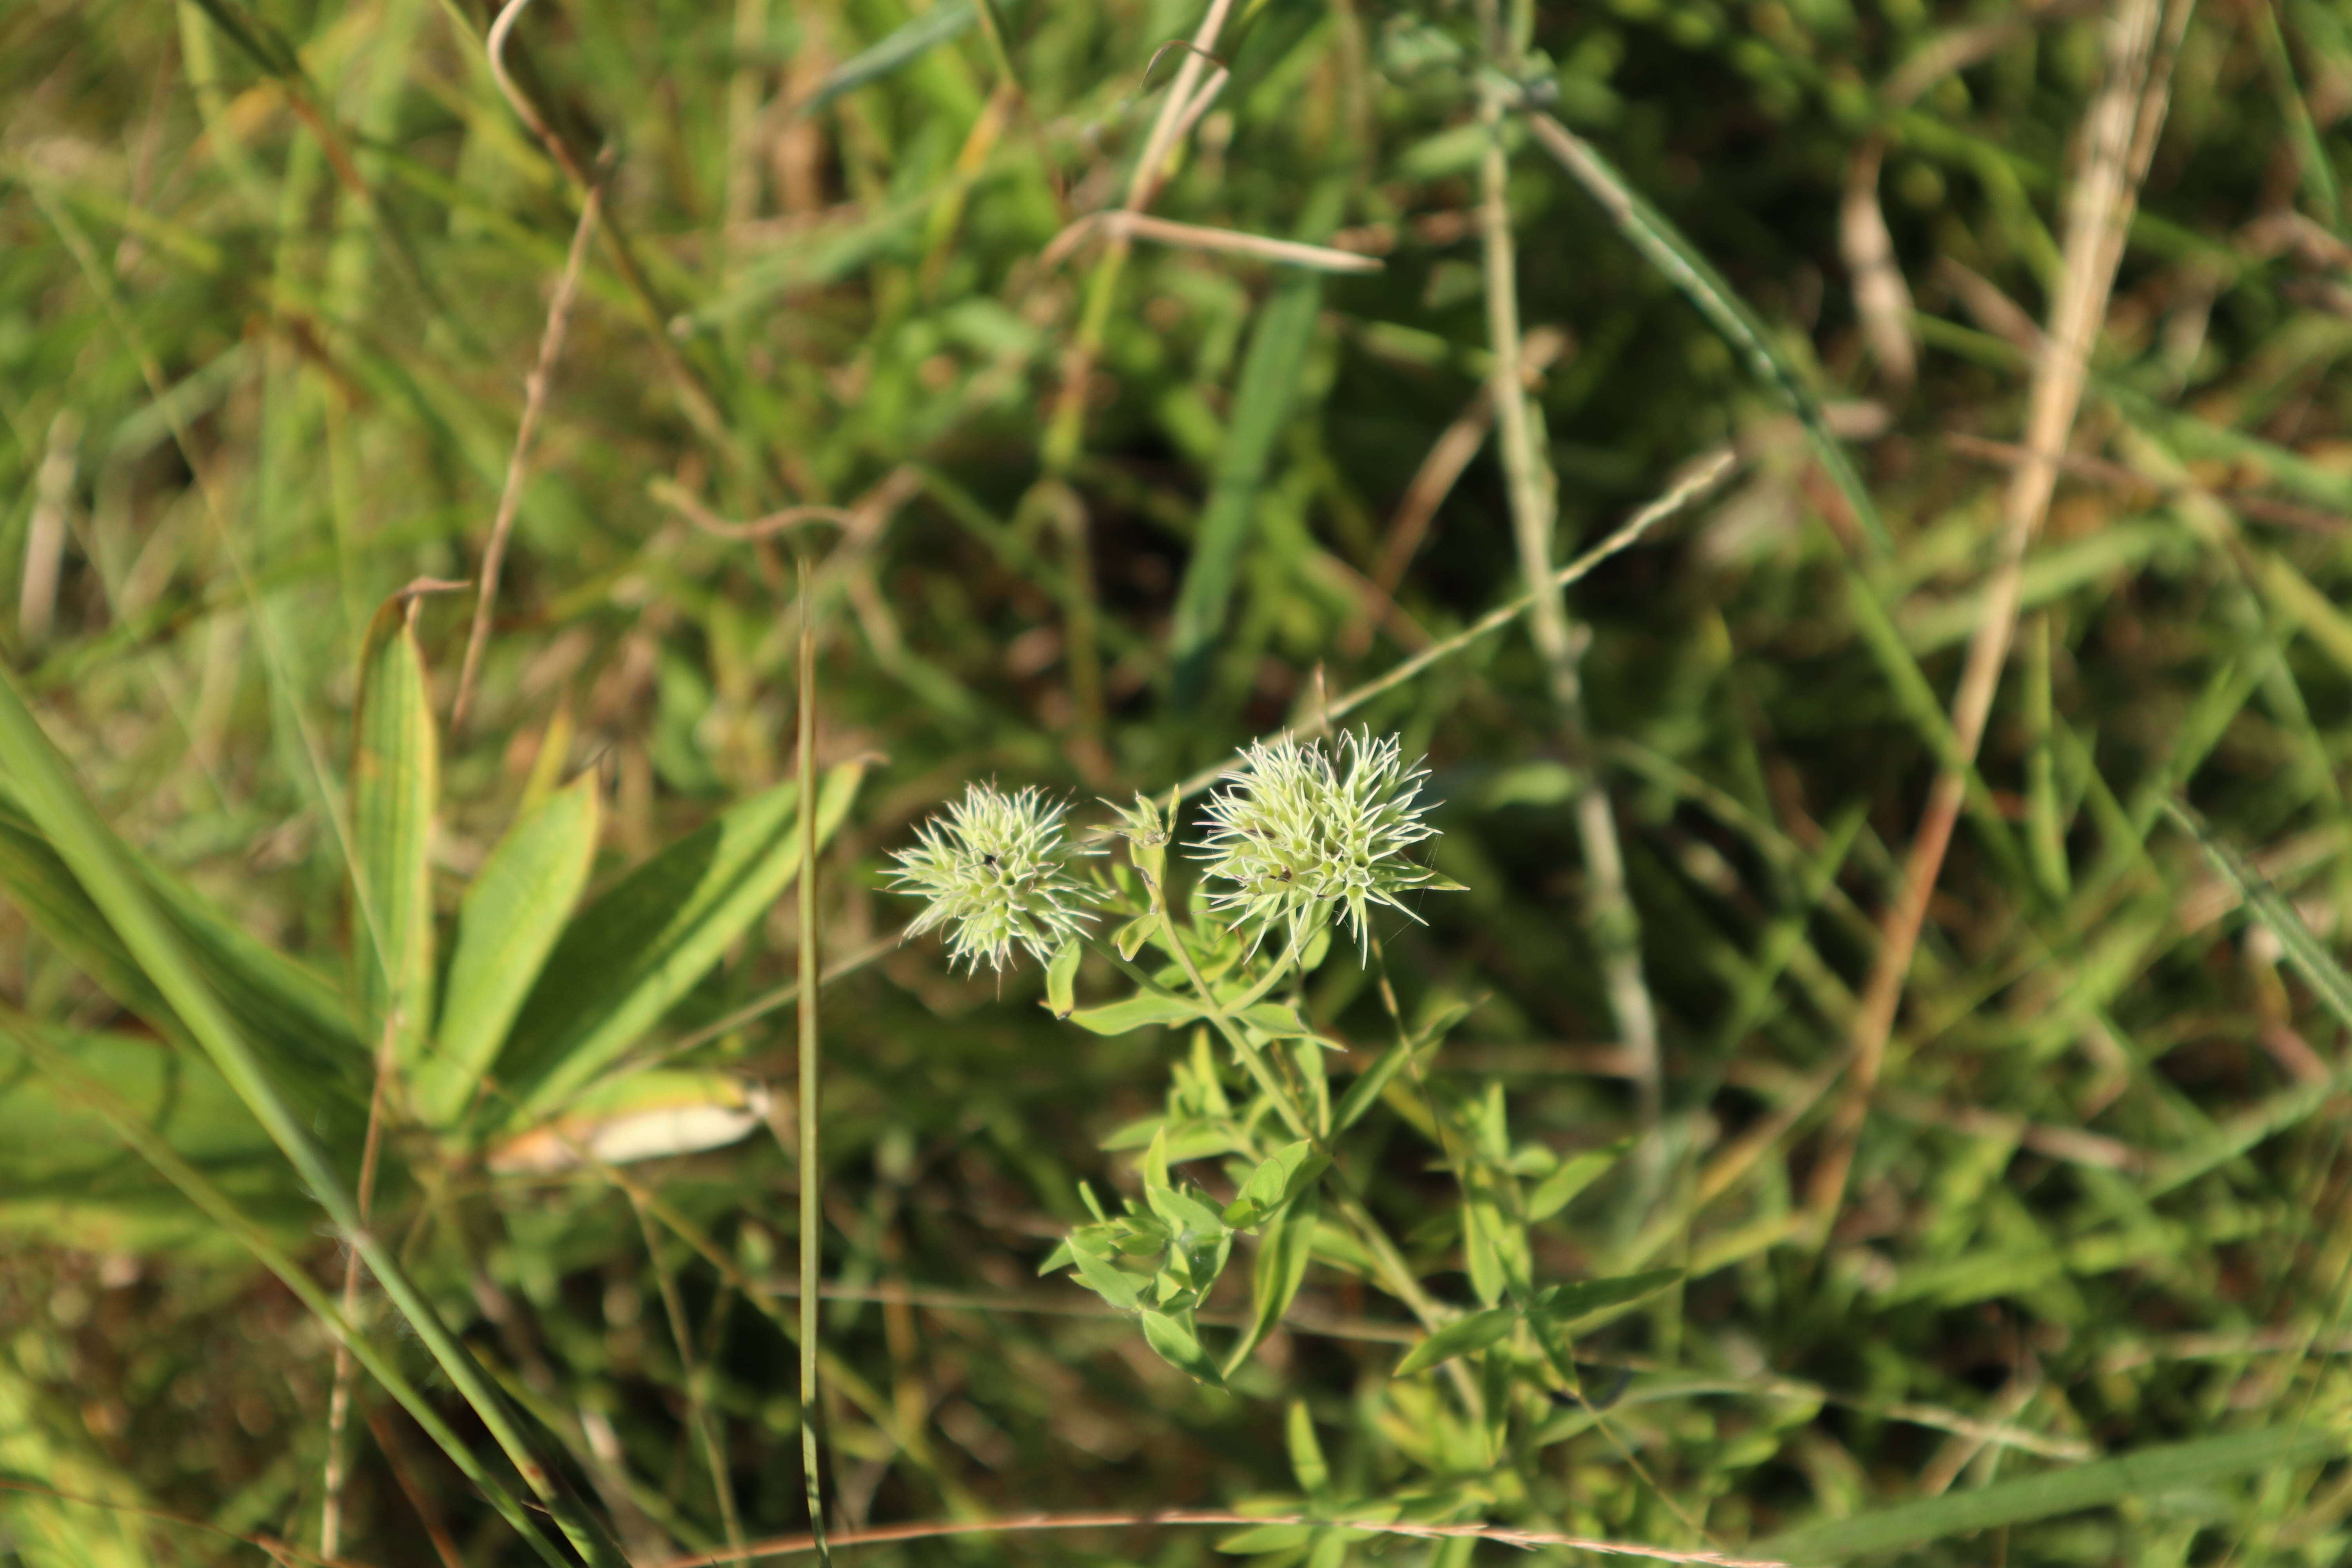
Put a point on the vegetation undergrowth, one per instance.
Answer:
(1721, 623)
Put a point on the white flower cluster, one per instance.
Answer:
(996, 876)
(1301, 832)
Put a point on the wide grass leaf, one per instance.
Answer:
(632, 953)
(64, 1176)
(295, 1016)
(508, 924)
(2146, 1474)
(395, 786)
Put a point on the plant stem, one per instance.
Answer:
(812, 1215)
(1608, 914)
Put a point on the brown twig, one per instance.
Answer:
(788, 1545)
(2120, 130)
(550, 346)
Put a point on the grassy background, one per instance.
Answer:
(271, 277)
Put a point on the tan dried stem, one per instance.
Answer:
(2119, 139)
(550, 348)
(1123, 225)
(495, 46)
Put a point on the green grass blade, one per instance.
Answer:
(508, 924)
(1696, 278)
(2311, 960)
(1269, 377)
(225, 1212)
(2177, 1466)
(66, 1178)
(108, 875)
(395, 786)
(293, 1015)
(634, 952)
(909, 42)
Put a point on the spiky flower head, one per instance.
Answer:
(997, 876)
(1302, 832)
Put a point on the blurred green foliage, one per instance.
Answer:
(272, 276)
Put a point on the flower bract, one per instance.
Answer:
(1303, 833)
(996, 876)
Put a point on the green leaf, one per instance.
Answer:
(1461, 1337)
(1179, 1346)
(395, 788)
(1106, 1278)
(1129, 938)
(1270, 373)
(508, 924)
(2267, 1451)
(1135, 1013)
(1306, 1461)
(48, 795)
(1369, 1085)
(909, 42)
(1278, 1176)
(1182, 1210)
(298, 1020)
(1572, 1176)
(1482, 1245)
(1277, 1021)
(1261, 1537)
(2306, 951)
(66, 1178)
(1563, 1303)
(634, 951)
(1284, 1250)
(1061, 976)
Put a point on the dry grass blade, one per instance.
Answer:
(2119, 136)
(550, 347)
(1125, 224)
(1527, 1540)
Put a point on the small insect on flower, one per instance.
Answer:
(1300, 830)
(997, 877)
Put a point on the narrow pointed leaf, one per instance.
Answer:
(1179, 1346)
(1461, 1337)
(508, 924)
(395, 786)
(632, 952)
(1134, 1013)
(2267, 1451)
(1282, 1173)
(1061, 978)
(1563, 1302)
(1284, 1250)
(1570, 1177)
